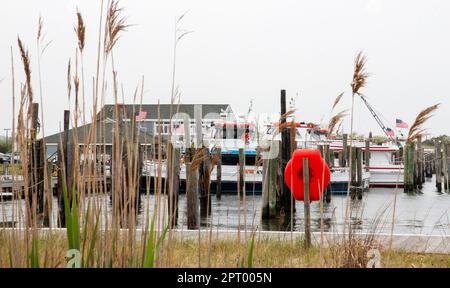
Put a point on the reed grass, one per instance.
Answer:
(100, 223)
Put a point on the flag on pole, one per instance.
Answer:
(141, 116)
(390, 132)
(400, 124)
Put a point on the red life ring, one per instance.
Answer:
(319, 174)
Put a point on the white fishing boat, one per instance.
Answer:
(385, 167)
(231, 136)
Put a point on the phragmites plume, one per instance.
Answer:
(416, 129)
(40, 26)
(76, 83)
(359, 75)
(337, 100)
(26, 66)
(115, 23)
(80, 30)
(335, 120)
(69, 83)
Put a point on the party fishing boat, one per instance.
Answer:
(230, 137)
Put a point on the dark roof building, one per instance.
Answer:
(147, 123)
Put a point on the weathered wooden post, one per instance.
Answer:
(359, 174)
(192, 191)
(367, 156)
(306, 203)
(205, 183)
(353, 174)
(219, 174)
(445, 165)
(286, 196)
(438, 165)
(270, 186)
(241, 180)
(62, 169)
(329, 158)
(174, 178)
(408, 156)
(420, 163)
(344, 159)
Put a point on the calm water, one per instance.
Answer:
(419, 213)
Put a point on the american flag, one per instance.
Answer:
(390, 132)
(141, 116)
(400, 124)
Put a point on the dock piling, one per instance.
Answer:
(306, 203)
(192, 191)
(438, 165)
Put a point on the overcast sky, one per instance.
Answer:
(243, 50)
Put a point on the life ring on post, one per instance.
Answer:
(319, 174)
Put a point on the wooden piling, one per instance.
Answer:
(219, 174)
(271, 184)
(344, 159)
(408, 156)
(438, 166)
(192, 191)
(353, 174)
(445, 165)
(62, 169)
(306, 203)
(420, 163)
(265, 190)
(359, 173)
(174, 178)
(205, 184)
(287, 207)
(367, 156)
(241, 175)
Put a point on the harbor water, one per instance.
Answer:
(426, 212)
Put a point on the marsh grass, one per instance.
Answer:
(101, 223)
(267, 253)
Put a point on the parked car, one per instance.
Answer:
(4, 158)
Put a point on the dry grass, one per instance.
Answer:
(416, 130)
(80, 30)
(359, 75)
(115, 24)
(337, 100)
(224, 253)
(335, 120)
